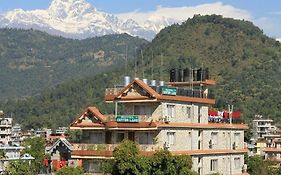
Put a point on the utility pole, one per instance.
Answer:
(230, 110)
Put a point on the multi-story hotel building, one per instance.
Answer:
(173, 116)
(5, 129)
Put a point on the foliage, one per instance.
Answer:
(19, 167)
(127, 160)
(70, 171)
(31, 60)
(36, 148)
(256, 165)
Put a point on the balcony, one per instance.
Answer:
(110, 147)
(5, 132)
(141, 118)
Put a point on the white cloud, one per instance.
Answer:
(271, 26)
(183, 13)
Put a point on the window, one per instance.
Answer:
(236, 139)
(214, 165)
(171, 138)
(119, 137)
(170, 110)
(214, 140)
(142, 110)
(96, 137)
(145, 138)
(188, 111)
(237, 163)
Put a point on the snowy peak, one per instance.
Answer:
(75, 19)
(69, 8)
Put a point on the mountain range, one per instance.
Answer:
(243, 61)
(79, 19)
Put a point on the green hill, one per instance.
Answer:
(245, 63)
(31, 60)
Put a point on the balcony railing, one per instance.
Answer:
(110, 147)
(141, 118)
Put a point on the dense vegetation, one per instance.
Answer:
(129, 161)
(245, 63)
(31, 60)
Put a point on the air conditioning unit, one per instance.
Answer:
(167, 119)
(167, 145)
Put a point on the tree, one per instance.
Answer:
(127, 160)
(36, 148)
(19, 167)
(256, 165)
(70, 171)
(163, 163)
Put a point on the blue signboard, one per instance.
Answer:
(169, 91)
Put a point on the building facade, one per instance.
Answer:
(262, 127)
(172, 117)
(5, 129)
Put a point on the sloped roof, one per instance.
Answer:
(153, 95)
(96, 114)
(140, 83)
(61, 140)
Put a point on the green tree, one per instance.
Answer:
(127, 160)
(36, 148)
(19, 167)
(70, 171)
(256, 165)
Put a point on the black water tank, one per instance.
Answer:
(172, 75)
(180, 75)
(199, 74)
(194, 72)
(186, 74)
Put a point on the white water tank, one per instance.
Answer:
(127, 80)
(161, 83)
(153, 82)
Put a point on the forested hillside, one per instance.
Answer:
(31, 60)
(245, 63)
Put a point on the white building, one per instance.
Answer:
(263, 128)
(5, 128)
(157, 117)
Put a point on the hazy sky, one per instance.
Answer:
(264, 13)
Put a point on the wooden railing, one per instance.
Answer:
(110, 147)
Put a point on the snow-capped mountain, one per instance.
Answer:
(77, 19)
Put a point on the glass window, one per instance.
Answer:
(142, 110)
(237, 163)
(214, 165)
(96, 138)
(188, 111)
(170, 110)
(171, 138)
(120, 136)
(214, 140)
(145, 138)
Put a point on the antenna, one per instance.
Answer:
(161, 67)
(152, 65)
(135, 66)
(142, 64)
(126, 60)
